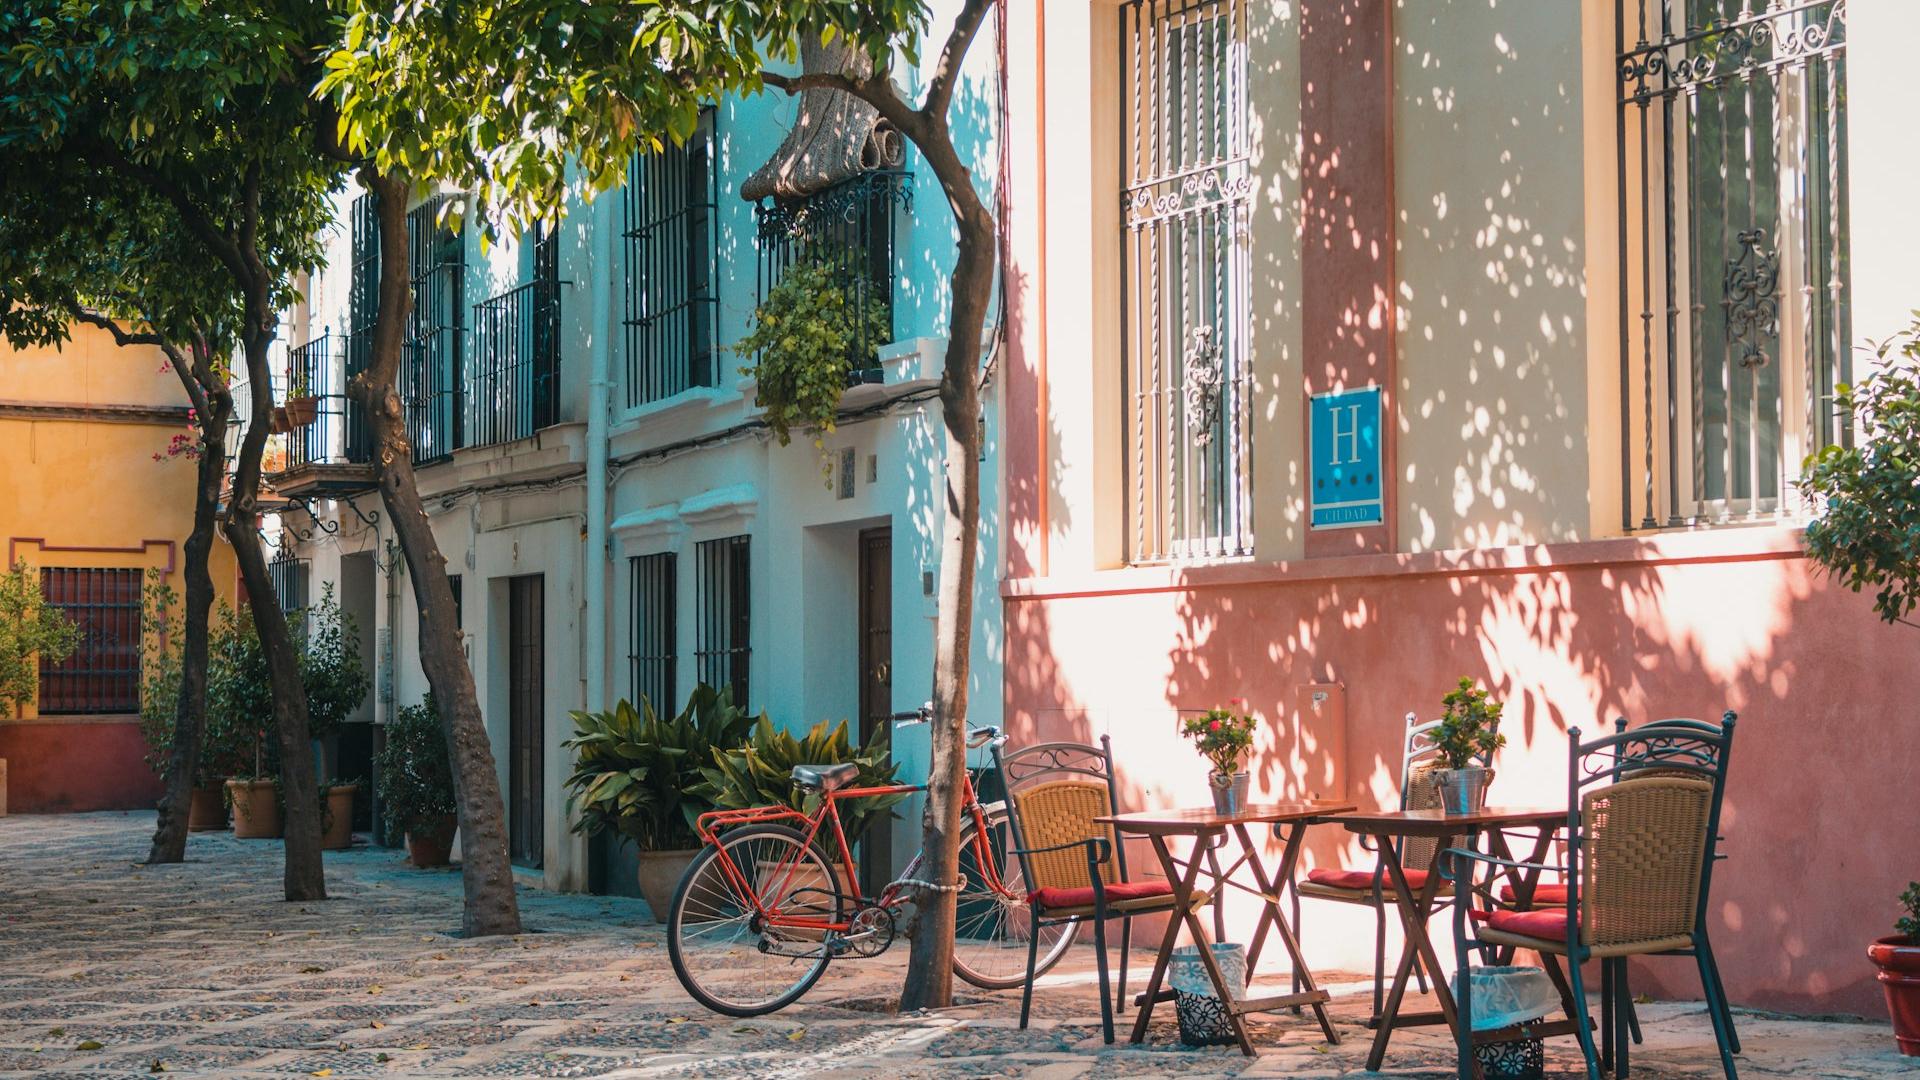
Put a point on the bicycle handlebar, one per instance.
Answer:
(976, 736)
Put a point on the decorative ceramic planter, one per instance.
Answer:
(1464, 791)
(1229, 792)
(206, 811)
(339, 819)
(430, 844)
(1899, 961)
(256, 809)
(660, 874)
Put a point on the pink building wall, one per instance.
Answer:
(1568, 635)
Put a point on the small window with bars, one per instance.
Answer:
(1734, 315)
(722, 580)
(103, 673)
(653, 635)
(290, 577)
(435, 344)
(1186, 198)
(671, 306)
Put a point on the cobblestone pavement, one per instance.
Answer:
(109, 968)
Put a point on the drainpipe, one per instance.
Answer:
(600, 352)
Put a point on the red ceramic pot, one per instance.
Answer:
(430, 843)
(1899, 962)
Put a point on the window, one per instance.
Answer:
(850, 227)
(652, 635)
(290, 576)
(671, 306)
(722, 582)
(363, 306)
(1185, 204)
(513, 389)
(436, 332)
(103, 674)
(1734, 316)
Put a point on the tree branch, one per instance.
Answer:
(946, 74)
(195, 219)
(126, 339)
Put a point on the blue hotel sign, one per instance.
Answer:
(1345, 474)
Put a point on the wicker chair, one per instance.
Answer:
(1641, 819)
(1072, 864)
(1419, 790)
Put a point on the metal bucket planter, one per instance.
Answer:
(1464, 791)
(1204, 1019)
(1229, 792)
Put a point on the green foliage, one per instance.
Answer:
(240, 693)
(761, 772)
(223, 749)
(31, 631)
(640, 776)
(330, 666)
(1909, 924)
(1867, 532)
(803, 341)
(1469, 728)
(1223, 736)
(413, 769)
(522, 102)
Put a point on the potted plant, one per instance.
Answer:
(818, 330)
(240, 701)
(760, 773)
(639, 776)
(1898, 958)
(220, 745)
(1224, 737)
(303, 408)
(336, 683)
(416, 783)
(1467, 738)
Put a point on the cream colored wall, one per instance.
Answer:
(89, 370)
(1492, 240)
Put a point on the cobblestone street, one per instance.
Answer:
(111, 968)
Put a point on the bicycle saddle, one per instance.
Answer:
(825, 777)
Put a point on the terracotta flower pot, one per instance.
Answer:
(1899, 962)
(205, 810)
(430, 844)
(339, 822)
(256, 809)
(660, 874)
(302, 411)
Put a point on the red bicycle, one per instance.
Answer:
(763, 908)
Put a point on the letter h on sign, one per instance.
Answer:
(1345, 482)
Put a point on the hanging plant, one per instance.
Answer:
(813, 327)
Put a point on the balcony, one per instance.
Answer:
(514, 378)
(327, 456)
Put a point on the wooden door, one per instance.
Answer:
(876, 684)
(526, 716)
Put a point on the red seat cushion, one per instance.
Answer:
(1542, 894)
(1054, 897)
(1545, 925)
(1363, 879)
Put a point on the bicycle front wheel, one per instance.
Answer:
(718, 937)
(993, 926)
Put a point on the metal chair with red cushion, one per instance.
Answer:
(1074, 868)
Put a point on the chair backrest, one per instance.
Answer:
(1054, 791)
(1643, 807)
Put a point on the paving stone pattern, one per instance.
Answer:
(109, 968)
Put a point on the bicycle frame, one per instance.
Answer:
(711, 824)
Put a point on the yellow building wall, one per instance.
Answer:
(80, 485)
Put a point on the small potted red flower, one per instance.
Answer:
(1224, 737)
(1898, 958)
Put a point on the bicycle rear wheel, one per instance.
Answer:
(993, 925)
(721, 948)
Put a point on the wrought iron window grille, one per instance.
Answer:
(1186, 201)
(103, 673)
(853, 228)
(723, 642)
(1735, 325)
(514, 375)
(435, 346)
(652, 637)
(671, 318)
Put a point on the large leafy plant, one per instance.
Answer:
(223, 747)
(640, 775)
(761, 772)
(1867, 529)
(815, 325)
(330, 666)
(413, 771)
(240, 692)
(1469, 730)
(31, 631)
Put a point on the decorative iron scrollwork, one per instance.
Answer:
(1204, 370)
(1752, 299)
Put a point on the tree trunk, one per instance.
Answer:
(183, 762)
(491, 906)
(929, 982)
(304, 876)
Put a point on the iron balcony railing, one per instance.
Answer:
(316, 369)
(852, 227)
(514, 381)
